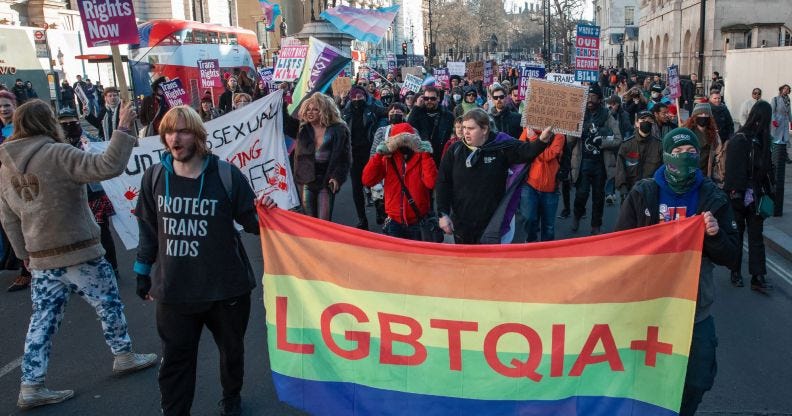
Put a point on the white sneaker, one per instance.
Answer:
(129, 362)
(33, 395)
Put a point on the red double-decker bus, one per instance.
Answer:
(172, 48)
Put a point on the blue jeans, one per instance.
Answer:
(93, 106)
(536, 206)
(409, 232)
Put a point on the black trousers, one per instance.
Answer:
(179, 327)
(591, 179)
(702, 366)
(360, 156)
(747, 219)
(779, 165)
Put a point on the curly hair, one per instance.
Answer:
(710, 131)
(328, 110)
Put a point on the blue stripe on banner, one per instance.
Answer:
(336, 398)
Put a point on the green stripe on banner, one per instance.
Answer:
(660, 385)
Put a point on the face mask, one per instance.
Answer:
(386, 99)
(655, 94)
(357, 104)
(702, 121)
(645, 127)
(680, 172)
(396, 118)
(457, 97)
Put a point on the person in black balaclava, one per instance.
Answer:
(362, 119)
(100, 204)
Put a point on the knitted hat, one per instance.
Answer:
(595, 89)
(66, 113)
(657, 88)
(679, 136)
(702, 108)
(645, 114)
(401, 128)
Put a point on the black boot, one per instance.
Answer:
(564, 213)
(362, 224)
(736, 279)
(760, 284)
(575, 224)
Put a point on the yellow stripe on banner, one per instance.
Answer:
(308, 299)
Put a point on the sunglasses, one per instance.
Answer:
(498, 97)
(430, 98)
(470, 94)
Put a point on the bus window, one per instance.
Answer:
(200, 36)
(232, 39)
(213, 38)
(223, 38)
(184, 36)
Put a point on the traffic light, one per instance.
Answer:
(404, 48)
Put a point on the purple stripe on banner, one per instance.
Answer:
(336, 398)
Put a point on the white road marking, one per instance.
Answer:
(10, 366)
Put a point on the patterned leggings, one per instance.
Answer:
(50, 290)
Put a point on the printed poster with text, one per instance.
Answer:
(106, 23)
(587, 53)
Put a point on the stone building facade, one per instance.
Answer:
(618, 21)
(670, 31)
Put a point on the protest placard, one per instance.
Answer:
(587, 41)
(411, 83)
(290, 63)
(266, 76)
(209, 71)
(251, 138)
(456, 68)
(106, 24)
(341, 86)
(175, 93)
(412, 70)
(558, 105)
(442, 80)
(488, 73)
(562, 78)
(526, 73)
(391, 59)
(475, 71)
(673, 82)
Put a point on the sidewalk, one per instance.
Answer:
(778, 230)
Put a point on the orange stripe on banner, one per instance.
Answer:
(675, 236)
(586, 279)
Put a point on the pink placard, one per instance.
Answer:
(108, 22)
(175, 93)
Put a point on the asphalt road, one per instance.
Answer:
(754, 353)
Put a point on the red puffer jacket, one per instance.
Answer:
(419, 178)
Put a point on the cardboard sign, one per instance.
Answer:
(412, 70)
(411, 83)
(526, 73)
(560, 106)
(456, 68)
(587, 44)
(442, 79)
(175, 93)
(475, 71)
(673, 82)
(341, 86)
(290, 63)
(210, 73)
(106, 23)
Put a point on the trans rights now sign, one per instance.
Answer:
(108, 22)
(375, 325)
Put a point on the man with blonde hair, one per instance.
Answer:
(186, 211)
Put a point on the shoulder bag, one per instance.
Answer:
(429, 225)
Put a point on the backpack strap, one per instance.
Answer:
(156, 172)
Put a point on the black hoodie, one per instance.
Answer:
(192, 238)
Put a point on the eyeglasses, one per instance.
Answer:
(498, 97)
(429, 98)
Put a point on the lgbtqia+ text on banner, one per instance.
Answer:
(364, 324)
(251, 138)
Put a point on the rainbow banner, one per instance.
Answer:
(364, 324)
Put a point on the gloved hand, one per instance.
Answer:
(597, 141)
(383, 149)
(423, 146)
(143, 286)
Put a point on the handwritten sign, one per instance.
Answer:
(587, 44)
(456, 68)
(558, 105)
(475, 71)
(526, 73)
(175, 93)
(341, 86)
(106, 23)
(210, 73)
(290, 63)
(411, 83)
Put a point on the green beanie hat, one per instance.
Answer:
(680, 136)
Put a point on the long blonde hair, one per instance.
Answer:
(192, 122)
(35, 118)
(328, 110)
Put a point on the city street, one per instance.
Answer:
(755, 334)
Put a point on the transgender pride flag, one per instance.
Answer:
(365, 25)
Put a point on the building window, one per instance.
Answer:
(629, 15)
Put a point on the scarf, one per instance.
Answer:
(110, 121)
